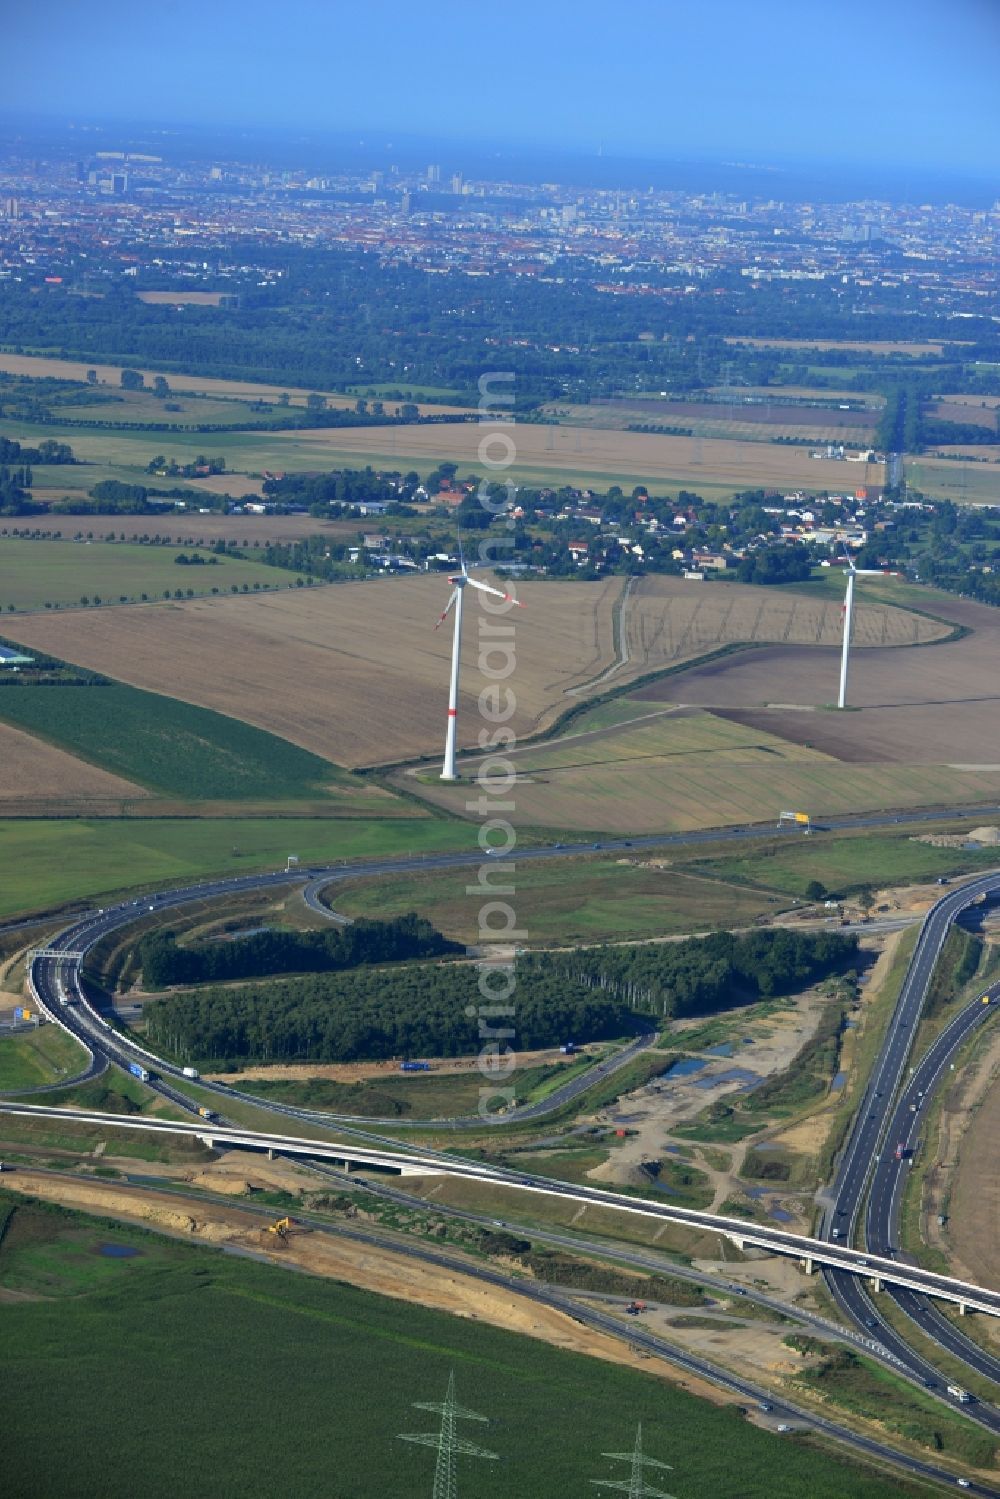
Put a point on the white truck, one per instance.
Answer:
(189, 1071)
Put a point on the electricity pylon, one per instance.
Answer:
(635, 1486)
(448, 1443)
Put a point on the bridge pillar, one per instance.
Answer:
(962, 1308)
(207, 1140)
(270, 1154)
(739, 1243)
(876, 1284)
(807, 1264)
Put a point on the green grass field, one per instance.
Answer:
(170, 747)
(950, 479)
(39, 573)
(89, 859)
(31, 1059)
(174, 1359)
(580, 900)
(845, 863)
(428, 1095)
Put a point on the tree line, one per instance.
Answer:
(433, 1008)
(164, 961)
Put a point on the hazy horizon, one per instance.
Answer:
(775, 86)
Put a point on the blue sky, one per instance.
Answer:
(901, 82)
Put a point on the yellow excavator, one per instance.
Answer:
(281, 1228)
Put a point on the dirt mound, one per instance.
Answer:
(989, 837)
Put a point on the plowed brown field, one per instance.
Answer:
(671, 620)
(355, 673)
(936, 706)
(598, 452)
(358, 674)
(33, 771)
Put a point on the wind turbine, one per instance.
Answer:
(845, 653)
(460, 581)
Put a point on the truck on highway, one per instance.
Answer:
(957, 1393)
(137, 1070)
(189, 1072)
(207, 1113)
(414, 1066)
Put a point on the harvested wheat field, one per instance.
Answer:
(579, 450)
(938, 705)
(860, 346)
(181, 298)
(39, 367)
(358, 674)
(670, 620)
(35, 772)
(977, 413)
(355, 673)
(185, 527)
(696, 770)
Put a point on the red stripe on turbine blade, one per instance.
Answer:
(452, 712)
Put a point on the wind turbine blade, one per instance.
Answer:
(497, 592)
(447, 609)
(461, 553)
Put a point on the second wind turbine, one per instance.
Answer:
(848, 610)
(460, 581)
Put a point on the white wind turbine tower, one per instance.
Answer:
(460, 582)
(845, 653)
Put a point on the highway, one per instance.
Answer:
(910, 1284)
(637, 1337)
(870, 1170)
(411, 1160)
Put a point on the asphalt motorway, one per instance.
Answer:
(863, 1148)
(885, 1120)
(778, 1411)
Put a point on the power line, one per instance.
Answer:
(635, 1486)
(448, 1443)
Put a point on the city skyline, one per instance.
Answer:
(770, 85)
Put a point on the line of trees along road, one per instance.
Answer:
(164, 961)
(434, 1008)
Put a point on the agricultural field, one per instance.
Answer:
(933, 705)
(731, 419)
(40, 574)
(82, 859)
(597, 899)
(931, 348)
(184, 529)
(164, 746)
(974, 411)
(202, 1342)
(669, 620)
(35, 771)
(737, 738)
(302, 664)
(544, 454)
(687, 771)
(601, 454)
(141, 408)
(970, 482)
(181, 298)
(40, 367)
